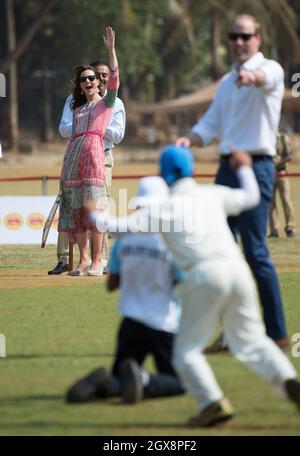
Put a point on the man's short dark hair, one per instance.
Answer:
(98, 62)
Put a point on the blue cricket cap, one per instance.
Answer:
(176, 162)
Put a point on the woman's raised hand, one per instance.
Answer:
(109, 38)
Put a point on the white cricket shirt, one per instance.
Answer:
(146, 281)
(193, 222)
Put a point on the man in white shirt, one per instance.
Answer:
(216, 285)
(245, 113)
(113, 135)
(141, 266)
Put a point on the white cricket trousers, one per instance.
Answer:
(223, 291)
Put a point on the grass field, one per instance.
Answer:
(59, 328)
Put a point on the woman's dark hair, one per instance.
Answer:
(79, 97)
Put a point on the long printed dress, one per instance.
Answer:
(82, 176)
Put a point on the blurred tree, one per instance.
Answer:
(9, 63)
(13, 85)
(165, 48)
(24, 42)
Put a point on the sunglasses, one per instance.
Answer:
(85, 78)
(244, 36)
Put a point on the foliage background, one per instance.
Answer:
(166, 48)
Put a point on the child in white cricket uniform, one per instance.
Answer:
(141, 266)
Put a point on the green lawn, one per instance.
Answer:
(58, 329)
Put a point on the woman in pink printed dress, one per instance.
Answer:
(82, 177)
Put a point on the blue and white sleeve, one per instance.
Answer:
(66, 122)
(114, 260)
(177, 273)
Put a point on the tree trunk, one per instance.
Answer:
(26, 39)
(48, 130)
(217, 63)
(13, 79)
(48, 133)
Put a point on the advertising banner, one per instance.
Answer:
(22, 219)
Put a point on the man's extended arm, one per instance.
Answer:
(256, 78)
(269, 76)
(207, 128)
(189, 141)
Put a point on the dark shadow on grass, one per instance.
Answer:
(20, 276)
(58, 355)
(13, 400)
(112, 426)
(258, 430)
